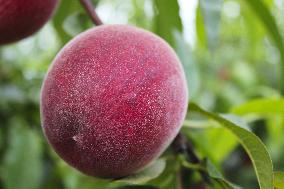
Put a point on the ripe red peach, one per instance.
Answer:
(113, 100)
(22, 18)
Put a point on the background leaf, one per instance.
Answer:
(261, 106)
(22, 165)
(219, 137)
(211, 12)
(73, 179)
(191, 68)
(269, 22)
(279, 180)
(167, 19)
(200, 28)
(65, 9)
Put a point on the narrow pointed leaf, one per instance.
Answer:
(261, 106)
(211, 12)
(252, 144)
(167, 19)
(269, 22)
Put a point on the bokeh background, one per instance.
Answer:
(231, 54)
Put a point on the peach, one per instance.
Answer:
(22, 18)
(113, 100)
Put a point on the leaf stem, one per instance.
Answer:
(88, 6)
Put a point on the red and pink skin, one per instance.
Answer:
(113, 100)
(22, 18)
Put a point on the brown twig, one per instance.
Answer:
(183, 146)
(87, 4)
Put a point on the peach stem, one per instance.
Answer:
(88, 6)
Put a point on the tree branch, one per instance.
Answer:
(88, 6)
(182, 146)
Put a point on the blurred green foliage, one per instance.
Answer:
(234, 65)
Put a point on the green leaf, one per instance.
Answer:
(222, 140)
(279, 180)
(73, 179)
(66, 8)
(167, 19)
(261, 106)
(217, 176)
(190, 67)
(255, 31)
(22, 164)
(236, 120)
(200, 28)
(11, 93)
(76, 23)
(211, 12)
(150, 172)
(168, 179)
(214, 134)
(251, 143)
(269, 22)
